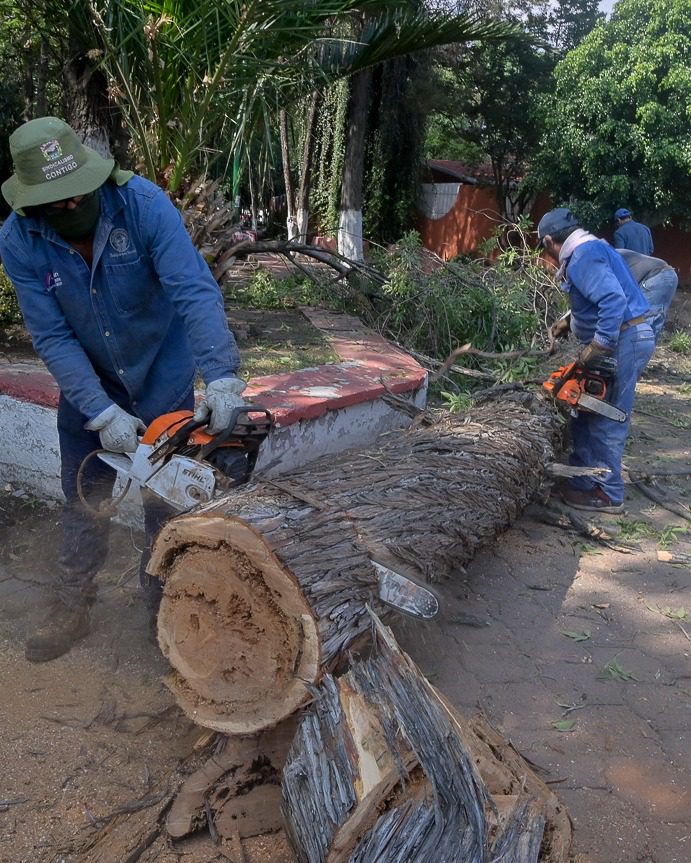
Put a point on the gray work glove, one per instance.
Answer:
(117, 429)
(222, 396)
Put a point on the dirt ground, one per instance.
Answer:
(545, 627)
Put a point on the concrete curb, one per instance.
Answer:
(318, 411)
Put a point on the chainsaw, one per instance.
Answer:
(574, 388)
(179, 462)
(182, 464)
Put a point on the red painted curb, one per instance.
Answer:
(370, 366)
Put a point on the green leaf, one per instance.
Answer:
(673, 613)
(564, 725)
(576, 636)
(614, 671)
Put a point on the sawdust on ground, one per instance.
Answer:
(544, 627)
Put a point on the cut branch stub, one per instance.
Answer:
(229, 608)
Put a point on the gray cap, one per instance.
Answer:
(554, 221)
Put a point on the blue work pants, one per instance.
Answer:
(659, 291)
(84, 535)
(599, 441)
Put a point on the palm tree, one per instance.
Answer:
(199, 81)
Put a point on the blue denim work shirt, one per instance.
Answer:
(131, 328)
(635, 236)
(603, 293)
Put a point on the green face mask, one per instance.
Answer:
(76, 223)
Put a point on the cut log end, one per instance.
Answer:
(228, 608)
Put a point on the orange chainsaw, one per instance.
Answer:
(574, 388)
(184, 465)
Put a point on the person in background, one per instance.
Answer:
(608, 317)
(630, 234)
(122, 309)
(658, 281)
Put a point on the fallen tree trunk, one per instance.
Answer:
(383, 770)
(265, 589)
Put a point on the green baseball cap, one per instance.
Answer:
(51, 164)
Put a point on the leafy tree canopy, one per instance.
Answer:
(487, 95)
(619, 124)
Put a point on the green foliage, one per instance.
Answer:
(457, 403)
(394, 153)
(485, 107)
(329, 155)
(619, 123)
(265, 291)
(435, 309)
(10, 118)
(680, 342)
(198, 80)
(9, 307)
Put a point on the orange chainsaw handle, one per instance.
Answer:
(555, 381)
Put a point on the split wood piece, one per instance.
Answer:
(383, 769)
(674, 557)
(238, 787)
(265, 588)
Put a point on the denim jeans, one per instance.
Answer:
(659, 291)
(599, 441)
(85, 537)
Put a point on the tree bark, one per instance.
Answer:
(265, 588)
(382, 769)
(306, 174)
(350, 224)
(291, 221)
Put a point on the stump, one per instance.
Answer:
(266, 588)
(383, 770)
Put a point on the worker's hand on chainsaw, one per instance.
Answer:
(222, 397)
(561, 328)
(117, 429)
(590, 354)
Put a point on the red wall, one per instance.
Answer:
(461, 231)
(474, 217)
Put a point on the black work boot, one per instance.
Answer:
(62, 628)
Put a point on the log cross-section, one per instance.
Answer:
(267, 587)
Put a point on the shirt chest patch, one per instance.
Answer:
(52, 280)
(120, 242)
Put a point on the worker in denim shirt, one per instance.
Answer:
(630, 234)
(123, 310)
(608, 317)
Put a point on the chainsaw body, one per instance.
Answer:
(181, 463)
(574, 388)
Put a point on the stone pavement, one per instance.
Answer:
(624, 770)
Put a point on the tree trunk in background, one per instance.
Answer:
(28, 75)
(41, 79)
(383, 769)
(291, 222)
(350, 222)
(306, 176)
(265, 588)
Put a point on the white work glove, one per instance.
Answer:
(222, 396)
(117, 429)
